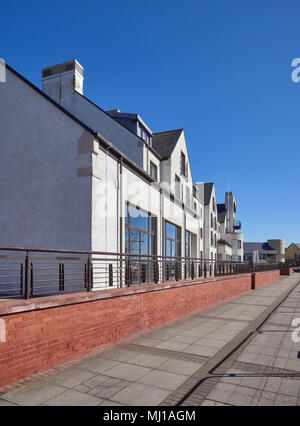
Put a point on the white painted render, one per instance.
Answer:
(43, 201)
(61, 189)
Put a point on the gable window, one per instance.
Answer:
(177, 187)
(183, 165)
(153, 170)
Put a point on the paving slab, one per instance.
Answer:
(138, 394)
(74, 399)
(186, 368)
(69, 378)
(97, 364)
(163, 379)
(127, 372)
(33, 394)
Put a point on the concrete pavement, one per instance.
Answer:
(238, 353)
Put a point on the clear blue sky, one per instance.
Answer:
(220, 69)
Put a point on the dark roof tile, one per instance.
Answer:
(165, 142)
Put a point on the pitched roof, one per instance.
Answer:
(208, 187)
(221, 212)
(101, 139)
(165, 142)
(297, 245)
(263, 248)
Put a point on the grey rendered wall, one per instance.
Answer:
(43, 203)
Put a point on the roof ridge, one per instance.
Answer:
(167, 131)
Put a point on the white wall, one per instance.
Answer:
(43, 201)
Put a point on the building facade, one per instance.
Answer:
(74, 176)
(230, 245)
(293, 252)
(272, 251)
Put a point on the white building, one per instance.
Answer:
(230, 245)
(211, 226)
(74, 176)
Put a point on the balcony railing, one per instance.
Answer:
(237, 225)
(26, 273)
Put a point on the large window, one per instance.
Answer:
(140, 237)
(172, 240)
(187, 244)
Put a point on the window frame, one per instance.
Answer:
(151, 223)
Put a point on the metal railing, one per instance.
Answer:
(26, 273)
(290, 264)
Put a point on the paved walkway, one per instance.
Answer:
(238, 353)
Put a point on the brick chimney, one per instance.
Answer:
(60, 81)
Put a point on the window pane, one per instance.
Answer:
(144, 243)
(135, 242)
(153, 223)
(126, 214)
(139, 218)
(153, 170)
(170, 230)
(127, 249)
(152, 246)
(177, 249)
(168, 248)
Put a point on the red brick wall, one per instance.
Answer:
(260, 279)
(44, 332)
(286, 271)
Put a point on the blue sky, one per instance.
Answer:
(219, 69)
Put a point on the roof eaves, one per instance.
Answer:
(105, 143)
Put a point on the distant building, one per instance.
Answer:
(211, 226)
(293, 252)
(230, 245)
(271, 251)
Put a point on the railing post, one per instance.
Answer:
(192, 271)
(156, 272)
(110, 275)
(61, 268)
(127, 273)
(205, 270)
(177, 271)
(89, 275)
(28, 277)
(167, 274)
(21, 278)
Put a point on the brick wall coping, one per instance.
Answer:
(267, 272)
(8, 307)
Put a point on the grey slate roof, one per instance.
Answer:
(221, 212)
(263, 248)
(165, 142)
(207, 192)
(297, 245)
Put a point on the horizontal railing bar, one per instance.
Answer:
(123, 255)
